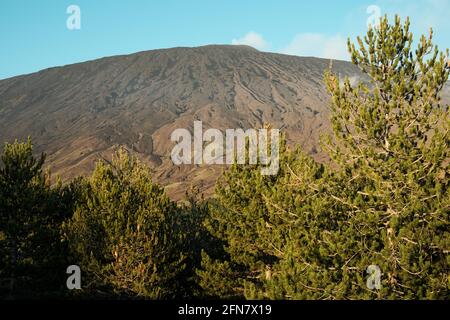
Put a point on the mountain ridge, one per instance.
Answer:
(80, 112)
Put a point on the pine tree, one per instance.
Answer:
(31, 212)
(252, 237)
(312, 231)
(126, 234)
(388, 199)
(194, 212)
(391, 144)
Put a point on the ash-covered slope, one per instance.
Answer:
(78, 113)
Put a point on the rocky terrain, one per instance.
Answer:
(81, 112)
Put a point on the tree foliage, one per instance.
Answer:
(126, 233)
(313, 231)
(31, 213)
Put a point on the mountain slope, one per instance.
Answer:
(78, 113)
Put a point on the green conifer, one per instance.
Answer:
(126, 233)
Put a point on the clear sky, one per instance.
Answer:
(34, 34)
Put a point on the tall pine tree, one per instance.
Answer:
(126, 234)
(314, 231)
(33, 259)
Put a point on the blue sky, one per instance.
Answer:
(34, 34)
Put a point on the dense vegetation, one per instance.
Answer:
(310, 232)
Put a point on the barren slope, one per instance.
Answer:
(78, 113)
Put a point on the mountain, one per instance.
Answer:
(79, 113)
